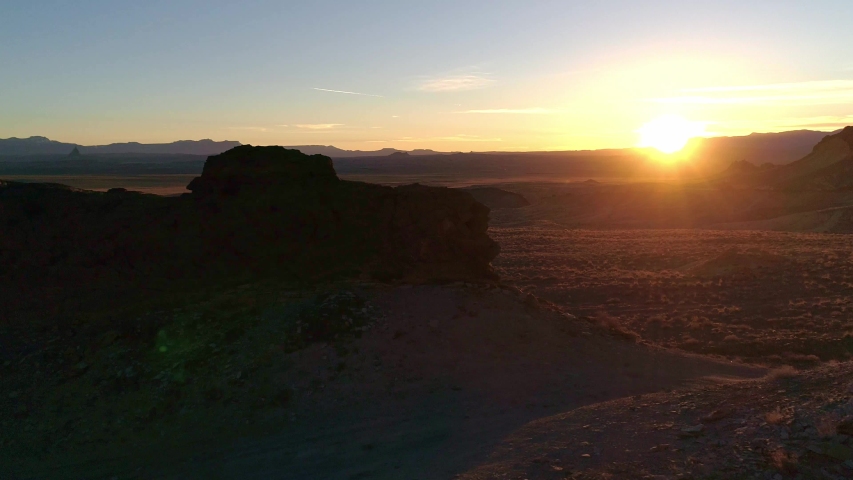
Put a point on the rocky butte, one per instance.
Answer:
(254, 212)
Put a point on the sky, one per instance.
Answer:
(448, 75)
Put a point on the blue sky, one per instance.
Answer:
(461, 75)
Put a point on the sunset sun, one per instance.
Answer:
(669, 134)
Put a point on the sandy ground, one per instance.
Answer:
(430, 393)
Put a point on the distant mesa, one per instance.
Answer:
(399, 155)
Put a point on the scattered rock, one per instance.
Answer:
(692, 431)
(715, 416)
(838, 452)
(845, 426)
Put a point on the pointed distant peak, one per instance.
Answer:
(75, 152)
(35, 139)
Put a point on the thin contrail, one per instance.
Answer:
(348, 93)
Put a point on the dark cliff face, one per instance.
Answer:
(252, 169)
(254, 212)
(289, 207)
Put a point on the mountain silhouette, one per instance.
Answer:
(44, 146)
(181, 147)
(34, 146)
(335, 152)
(715, 153)
(757, 148)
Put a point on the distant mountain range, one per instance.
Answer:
(34, 146)
(44, 146)
(827, 167)
(181, 147)
(757, 148)
(713, 153)
(336, 152)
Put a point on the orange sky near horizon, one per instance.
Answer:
(444, 75)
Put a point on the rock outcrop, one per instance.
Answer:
(828, 167)
(254, 212)
(496, 198)
(284, 204)
(252, 168)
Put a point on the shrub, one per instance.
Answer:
(615, 327)
(784, 461)
(775, 417)
(827, 426)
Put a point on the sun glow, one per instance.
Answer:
(669, 134)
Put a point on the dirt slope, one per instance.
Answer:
(427, 393)
(789, 425)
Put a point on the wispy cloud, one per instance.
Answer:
(319, 126)
(819, 123)
(820, 85)
(513, 111)
(254, 129)
(346, 92)
(455, 83)
(468, 138)
(825, 92)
